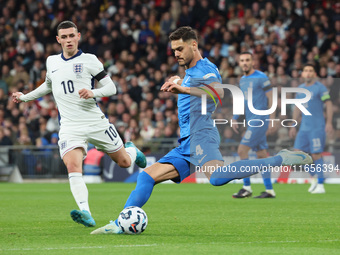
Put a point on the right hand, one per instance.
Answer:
(16, 97)
(292, 132)
(85, 93)
(235, 126)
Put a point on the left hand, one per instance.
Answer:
(172, 87)
(172, 78)
(85, 93)
(329, 129)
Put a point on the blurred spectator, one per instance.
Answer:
(147, 131)
(131, 39)
(4, 139)
(52, 124)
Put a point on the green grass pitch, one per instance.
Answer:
(183, 219)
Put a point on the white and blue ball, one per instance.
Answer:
(132, 220)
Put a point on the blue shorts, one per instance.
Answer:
(194, 150)
(312, 141)
(255, 137)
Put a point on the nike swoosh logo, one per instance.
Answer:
(303, 156)
(199, 161)
(55, 70)
(107, 230)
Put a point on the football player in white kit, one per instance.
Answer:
(70, 77)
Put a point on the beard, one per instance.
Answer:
(308, 80)
(246, 70)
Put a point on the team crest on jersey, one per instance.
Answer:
(78, 69)
(63, 145)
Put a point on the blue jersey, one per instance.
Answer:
(189, 107)
(314, 106)
(260, 84)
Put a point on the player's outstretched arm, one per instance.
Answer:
(171, 86)
(42, 90)
(108, 89)
(329, 116)
(271, 128)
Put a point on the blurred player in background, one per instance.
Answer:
(255, 136)
(70, 78)
(199, 138)
(312, 133)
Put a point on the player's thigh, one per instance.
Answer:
(302, 141)
(69, 139)
(243, 151)
(73, 160)
(205, 147)
(255, 137)
(179, 158)
(105, 137)
(162, 172)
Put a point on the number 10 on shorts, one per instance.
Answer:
(111, 133)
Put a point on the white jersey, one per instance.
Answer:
(66, 77)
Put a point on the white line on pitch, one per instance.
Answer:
(263, 242)
(149, 245)
(75, 248)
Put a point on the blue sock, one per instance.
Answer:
(266, 179)
(241, 169)
(142, 192)
(312, 173)
(318, 165)
(246, 181)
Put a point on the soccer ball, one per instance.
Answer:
(132, 220)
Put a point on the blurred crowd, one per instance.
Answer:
(130, 38)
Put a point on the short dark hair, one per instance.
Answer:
(309, 64)
(246, 52)
(185, 33)
(66, 24)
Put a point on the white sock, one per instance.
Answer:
(131, 151)
(79, 190)
(247, 188)
(271, 192)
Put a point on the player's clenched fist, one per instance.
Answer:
(85, 93)
(16, 97)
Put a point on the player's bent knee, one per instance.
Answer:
(219, 181)
(72, 167)
(124, 163)
(214, 181)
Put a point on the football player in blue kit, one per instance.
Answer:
(199, 138)
(312, 132)
(255, 135)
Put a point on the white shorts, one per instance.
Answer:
(102, 135)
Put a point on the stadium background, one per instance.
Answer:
(131, 40)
